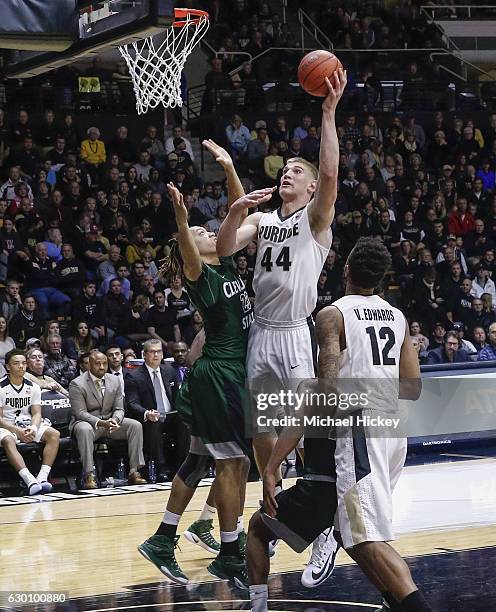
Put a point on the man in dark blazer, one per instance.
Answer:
(150, 398)
(98, 411)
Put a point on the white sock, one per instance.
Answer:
(240, 525)
(208, 513)
(170, 518)
(32, 484)
(259, 593)
(44, 473)
(26, 475)
(228, 536)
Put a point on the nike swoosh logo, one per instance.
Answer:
(330, 562)
(293, 367)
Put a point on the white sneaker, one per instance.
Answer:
(322, 560)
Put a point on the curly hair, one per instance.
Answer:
(368, 263)
(172, 264)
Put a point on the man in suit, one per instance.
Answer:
(98, 411)
(180, 352)
(115, 359)
(150, 396)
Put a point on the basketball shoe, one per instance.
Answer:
(159, 549)
(230, 568)
(200, 533)
(322, 560)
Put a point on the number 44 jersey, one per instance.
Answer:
(289, 262)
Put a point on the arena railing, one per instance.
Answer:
(459, 11)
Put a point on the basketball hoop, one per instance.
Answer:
(156, 70)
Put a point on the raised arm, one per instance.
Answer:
(231, 237)
(321, 208)
(234, 187)
(190, 254)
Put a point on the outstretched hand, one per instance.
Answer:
(180, 209)
(254, 198)
(220, 155)
(336, 85)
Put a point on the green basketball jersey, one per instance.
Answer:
(221, 297)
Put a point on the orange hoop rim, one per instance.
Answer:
(180, 15)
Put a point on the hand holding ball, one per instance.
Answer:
(314, 68)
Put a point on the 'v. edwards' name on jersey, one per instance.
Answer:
(272, 233)
(374, 314)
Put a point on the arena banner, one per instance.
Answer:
(441, 407)
(38, 25)
(55, 407)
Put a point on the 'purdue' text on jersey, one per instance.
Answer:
(18, 401)
(289, 262)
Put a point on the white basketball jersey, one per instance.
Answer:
(289, 262)
(16, 402)
(374, 332)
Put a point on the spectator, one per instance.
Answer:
(479, 338)
(123, 147)
(98, 412)
(139, 246)
(273, 164)
(58, 365)
(482, 283)
(117, 311)
(301, 131)
(488, 353)
(310, 146)
(27, 159)
(83, 363)
(162, 322)
(208, 204)
(415, 332)
(70, 273)
(89, 308)
(460, 307)
(27, 323)
(437, 337)
(22, 421)
(422, 355)
(150, 395)
(6, 342)
(121, 275)
(7, 190)
(94, 155)
(449, 353)
(51, 327)
(58, 154)
(94, 250)
(10, 302)
(238, 136)
(177, 132)
(41, 282)
(155, 147)
(143, 167)
(465, 344)
(80, 342)
(35, 372)
(478, 317)
(193, 327)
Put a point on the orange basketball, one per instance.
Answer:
(314, 68)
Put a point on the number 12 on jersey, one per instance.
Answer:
(282, 260)
(384, 332)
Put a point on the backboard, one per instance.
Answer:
(100, 24)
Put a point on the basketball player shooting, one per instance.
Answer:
(293, 243)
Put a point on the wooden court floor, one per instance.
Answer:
(87, 547)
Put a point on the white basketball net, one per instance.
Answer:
(156, 71)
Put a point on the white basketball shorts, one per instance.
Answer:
(367, 470)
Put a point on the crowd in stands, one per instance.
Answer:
(85, 220)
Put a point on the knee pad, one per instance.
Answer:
(193, 469)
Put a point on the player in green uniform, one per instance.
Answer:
(211, 397)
